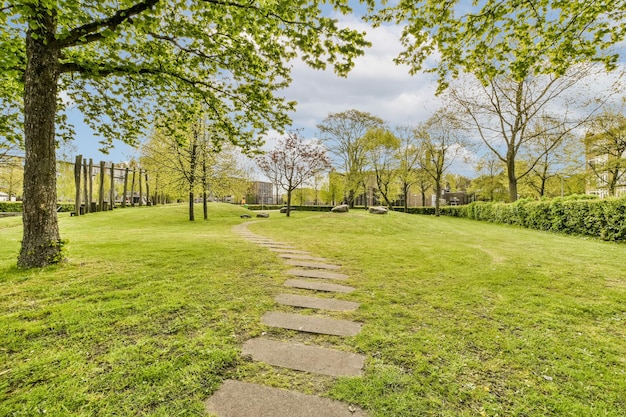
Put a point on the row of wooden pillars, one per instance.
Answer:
(84, 175)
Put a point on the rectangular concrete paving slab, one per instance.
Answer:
(305, 264)
(241, 399)
(317, 286)
(301, 257)
(275, 245)
(282, 250)
(315, 302)
(312, 273)
(305, 358)
(311, 324)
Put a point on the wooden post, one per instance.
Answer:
(77, 167)
(125, 187)
(147, 189)
(91, 184)
(112, 190)
(140, 189)
(101, 190)
(132, 190)
(86, 187)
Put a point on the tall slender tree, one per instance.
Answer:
(122, 62)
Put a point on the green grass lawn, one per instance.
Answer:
(460, 318)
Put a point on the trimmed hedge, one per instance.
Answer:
(451, 211)
(16, 207)
(10, 207)
(600, 218)
(293, 208)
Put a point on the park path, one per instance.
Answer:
(241, 399)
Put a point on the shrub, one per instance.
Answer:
(10, 206)
(580, 215)
(16, 207)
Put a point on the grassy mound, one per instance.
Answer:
(461, 318)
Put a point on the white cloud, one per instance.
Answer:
(374, 85)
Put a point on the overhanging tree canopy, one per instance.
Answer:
(121, 63)
(506, 37)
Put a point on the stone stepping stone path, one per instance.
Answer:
(304, 358)
(293, 251)
(311, 324)
(318, 286)
(240, 399)
(312, 273)
(319, 265)
(301, 256)
(315, 302)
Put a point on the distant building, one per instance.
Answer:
(261, 193)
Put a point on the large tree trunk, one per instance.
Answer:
(289, 202)
(405, 192)
(192, 216)
(351, 199)
(512, 180)
(41, 243)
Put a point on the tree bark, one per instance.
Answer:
(205, 186)
(405, 192)
(512, 179)
(192, 179)
(41, 243)
(147, 189)
(140, 188)
(289, 202)
(437, 198)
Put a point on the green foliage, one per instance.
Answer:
(578, 215)
(10, 206)
(510, 37)
(16, 207)
(343, 133)
(123, 63)
(296, 207)
(451, 211)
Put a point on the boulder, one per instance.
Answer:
(263, 215)
(245, 216)
(284, 209)
(378, 210)
(343, 208)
